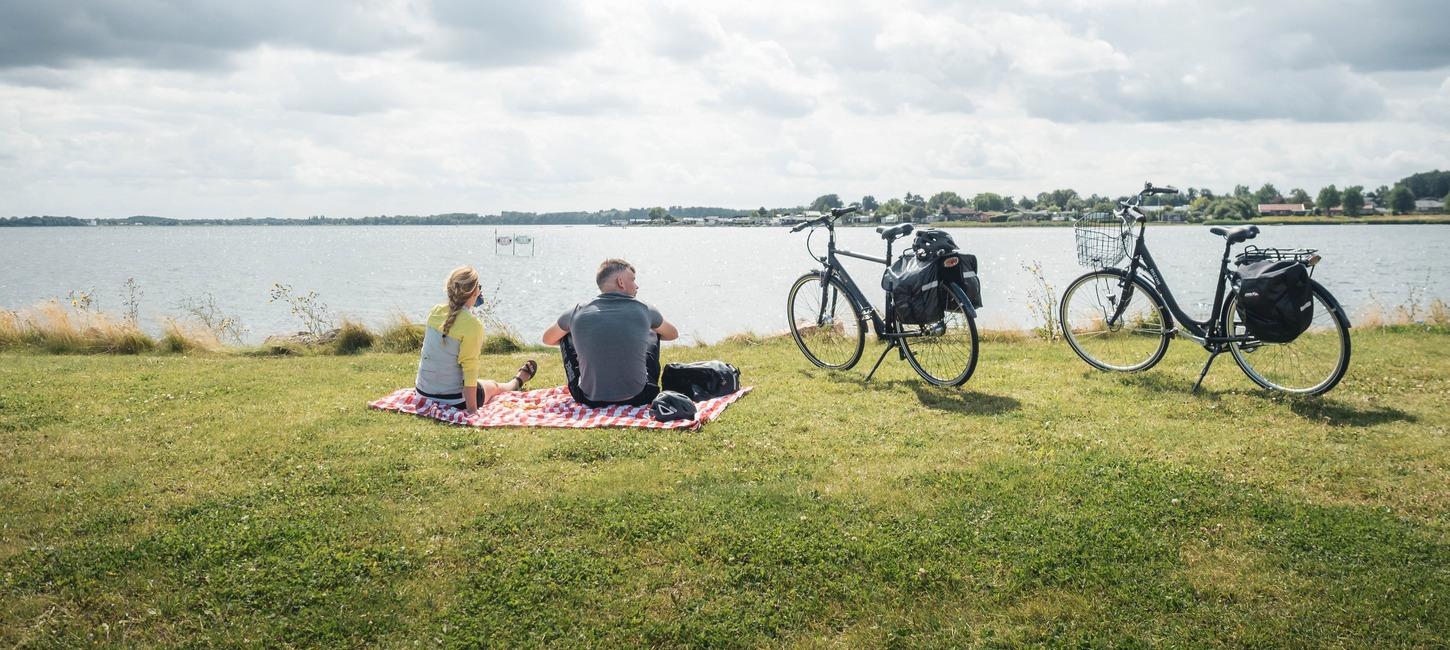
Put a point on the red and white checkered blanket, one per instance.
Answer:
(548, 407)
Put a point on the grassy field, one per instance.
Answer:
(222, 499)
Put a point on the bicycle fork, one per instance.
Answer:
(1125, 295)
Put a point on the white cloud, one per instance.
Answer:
(419, 106)
(493, 33)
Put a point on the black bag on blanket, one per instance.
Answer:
(701, 380)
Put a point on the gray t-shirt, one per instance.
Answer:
(613, 335)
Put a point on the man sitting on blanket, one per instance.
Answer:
(611, 344)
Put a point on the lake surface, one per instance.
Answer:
(711, 282)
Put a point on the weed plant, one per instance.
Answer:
(310, 310)
(205, 312)
(1042, 302)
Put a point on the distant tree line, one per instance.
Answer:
(1203, 203)
(450, 219)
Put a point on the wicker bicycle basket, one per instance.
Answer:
(1103, 239)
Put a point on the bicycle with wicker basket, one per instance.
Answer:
(1122, 319)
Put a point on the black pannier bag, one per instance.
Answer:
(933, 243)
(966, 269)
(1275, 299)
(917, 294)
(701, 380)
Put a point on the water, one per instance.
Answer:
(711, 282)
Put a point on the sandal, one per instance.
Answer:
(529, 368)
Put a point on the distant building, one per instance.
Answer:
(1429, 205)
(1370, 207)
(951, 213)
(1282, 209)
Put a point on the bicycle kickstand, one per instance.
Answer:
(879, 360)
(1213, 354)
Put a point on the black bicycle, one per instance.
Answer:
(1122, 319)
(828, 314)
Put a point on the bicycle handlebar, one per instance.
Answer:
(836, 213)
(813, 222)
(1148, 189)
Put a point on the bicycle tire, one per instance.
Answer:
(1311, 364)
(828, 341)
(932, 355)
(1090, 301)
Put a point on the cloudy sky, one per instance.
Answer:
(282, 108)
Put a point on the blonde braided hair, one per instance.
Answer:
(461, 282)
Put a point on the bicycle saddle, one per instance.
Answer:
(1236, 235)
(894, 231)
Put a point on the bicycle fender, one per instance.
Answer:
(1333, 302)
(961, 296)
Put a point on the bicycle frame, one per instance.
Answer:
(885, 329)
(1208, 332)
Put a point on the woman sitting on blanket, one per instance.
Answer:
(448, 368)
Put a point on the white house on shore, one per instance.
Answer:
(1282, 209)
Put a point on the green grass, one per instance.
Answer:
(231, 500)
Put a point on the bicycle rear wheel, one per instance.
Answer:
(825, 323)
(1309, 365)
(946, 352)
(1135, 340)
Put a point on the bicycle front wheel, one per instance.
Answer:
(1311, 364)
(825, 323)
(945, 352)
(1114, 322)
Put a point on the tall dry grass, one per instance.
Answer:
(1435, 314)
(401, 334)
(180, 338)
(353, 337)
(53, 328)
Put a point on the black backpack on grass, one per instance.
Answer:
(701, 380)
(1275, 299)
